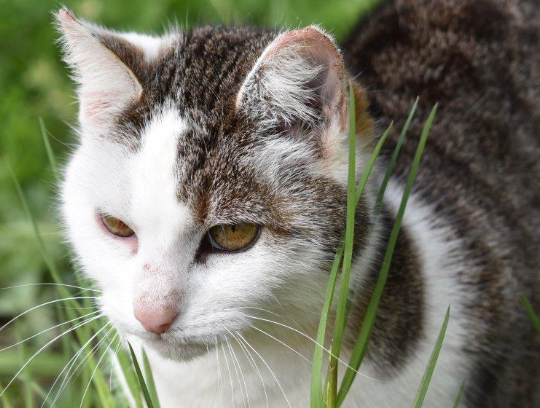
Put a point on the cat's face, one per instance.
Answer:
(209, 184)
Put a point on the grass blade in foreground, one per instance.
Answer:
(347, 256)
(129, 376)
(360, 347)
(316, 373)
(144, 388)
(530, 311)
(353, 198)
(422, 390)
(342, 314)
(367, 171)
(150, 379)
(6, 403)
(459, 396)
(49, 150)
(394, 157)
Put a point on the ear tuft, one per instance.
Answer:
(106, 83)
(297, 80)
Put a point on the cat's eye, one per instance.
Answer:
(116, 227)
(233, 237)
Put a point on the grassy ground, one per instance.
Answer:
(36, 94)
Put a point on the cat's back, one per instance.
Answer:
(480, 61)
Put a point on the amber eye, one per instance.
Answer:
(116, 226)
(233, 237)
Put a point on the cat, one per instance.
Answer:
(207, 199)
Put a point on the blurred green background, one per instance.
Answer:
(35, 87)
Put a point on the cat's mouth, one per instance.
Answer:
(174, 350)
(171, 345)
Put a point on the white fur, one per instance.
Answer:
(151, 45)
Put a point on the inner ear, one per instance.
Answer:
(297, 82)
(110, 68)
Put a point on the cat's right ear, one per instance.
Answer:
(107, 66)
(297, 82)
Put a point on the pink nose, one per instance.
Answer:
(156, 322)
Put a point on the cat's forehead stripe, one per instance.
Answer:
(202, 72)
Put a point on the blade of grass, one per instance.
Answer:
(361, 344)
(27, 379)
(394, 157)
(424, 385)
(48, 261)
(130, 377)
(150, 379)
(316, 386)
(457, 403)
(316, 373)
(347, 255)
(371, 163)
(48, 149)
(353, 197)
(363, 182)
(140, 377)
(531, 313)
(6, 403)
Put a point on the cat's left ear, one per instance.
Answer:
(298, 81)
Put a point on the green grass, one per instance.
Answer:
(424, 385)
(142, 381)
(531, 313)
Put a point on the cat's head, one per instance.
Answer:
(210, 181)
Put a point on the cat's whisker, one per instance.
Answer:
(42, 305)
(113, 355)
(233, 363)
(43, 348)
(105, 353)
(283, 343)
(50, 284)
(313, 341)
(241, 373)
(91, 353)
(220, 379)
(268, 367)
(47, 330)
(260, 309)
(253, 364)
(69, 365)
(230, 375)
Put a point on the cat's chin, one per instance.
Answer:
(176, 351)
